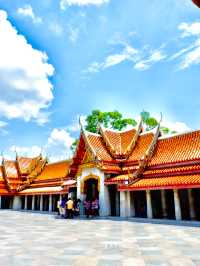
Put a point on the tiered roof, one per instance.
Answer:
(141, 160)
(32, 176)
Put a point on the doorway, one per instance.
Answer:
(91, 189)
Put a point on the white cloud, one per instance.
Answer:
(27, 11)
(176, 126)
(155, 57)
(189, 55)
(128, 53)
(26, 91)
(57, 147)
(66, 3)
(191, 58)
(31, 151)
(60, 136)
(189, 29)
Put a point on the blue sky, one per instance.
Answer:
(62, 59)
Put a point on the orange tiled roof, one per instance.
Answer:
(190, 168)
(117, 179)
(42, 190)
(169, 182)
(179, 148)
(54, 170)
(96, 141)
(141, 147)
(118, 142)
(10, 169)
(26, 165)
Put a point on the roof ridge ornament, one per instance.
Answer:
(89, 146)
(148, 154)
(131, 146)
(107, 141)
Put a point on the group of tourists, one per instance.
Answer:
(68, 208)
(91, 207)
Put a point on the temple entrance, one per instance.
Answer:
(91, 189)
(140, 204)
(114, 200)
(156, 203)
(6, 202)
(169, 196)
(184, 202)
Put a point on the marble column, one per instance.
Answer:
(33, 202)
(25, 203)
(123, 204)
(50, 203)
(130, 205)
(177, 205)
(0, 202)
(41, 202)
(163, 202)
(104, 199)
(191, 205)
(149, 205)
(17, 203)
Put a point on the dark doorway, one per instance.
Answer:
(91, 189)
(6, 202)
(45, 202)
(113, 200)
(184, 202)
(169, 195)
(29, 202)
(140, 204)
(156, 203)
(37, 202)
(23, 202)
(196, 197)
(55, 199)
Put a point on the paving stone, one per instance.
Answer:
(30, 239)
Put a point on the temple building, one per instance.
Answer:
(33, 183)
(139, 174)
(132, 173)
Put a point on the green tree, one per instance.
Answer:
(149, 121)
(112, 120)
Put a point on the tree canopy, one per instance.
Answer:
(112, 120)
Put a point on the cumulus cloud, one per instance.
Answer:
(179, 127)
(60, 136)
(66, 3)
(26, 91)
(189, 29)
(31, 151)
(57, 147)
(27, 11)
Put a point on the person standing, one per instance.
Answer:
(70, 207)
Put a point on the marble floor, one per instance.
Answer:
(29, 239)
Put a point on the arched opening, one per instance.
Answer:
(91, 189)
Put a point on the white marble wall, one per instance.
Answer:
(17, 203)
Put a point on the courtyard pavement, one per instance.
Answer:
(29, 239)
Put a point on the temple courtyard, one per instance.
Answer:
(28, 238)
